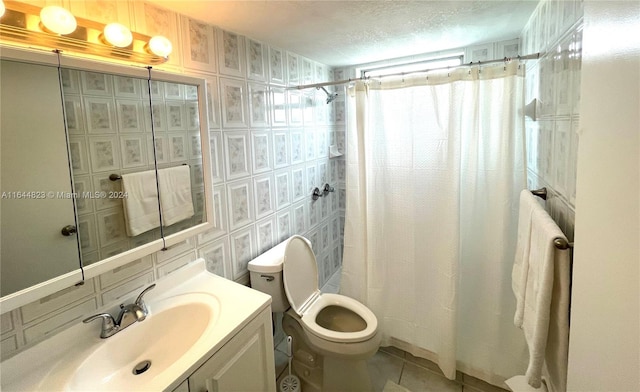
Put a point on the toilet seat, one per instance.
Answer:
(300, 276)
(322, 301)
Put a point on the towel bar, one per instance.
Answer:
(561, 243)
(541, 193)
(116, 177)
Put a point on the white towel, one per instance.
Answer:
(528, 204)
(520, 384)
(175, 194)
(141, 204)
(546, 305)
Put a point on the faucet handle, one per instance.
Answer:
(109, 327)
(139, 300)
(327, 188)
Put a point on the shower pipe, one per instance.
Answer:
(534, 56)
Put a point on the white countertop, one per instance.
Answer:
(51, 364)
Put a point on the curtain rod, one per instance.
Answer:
(533, 56)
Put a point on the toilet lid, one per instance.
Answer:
(300, 273)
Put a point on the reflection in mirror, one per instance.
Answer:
(37, 200)
(178, 154)
(115, 147)
(110, 134)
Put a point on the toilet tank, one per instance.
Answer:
(265, 272)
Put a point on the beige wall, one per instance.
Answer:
(604, 347)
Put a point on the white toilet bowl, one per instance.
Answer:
(333, 335)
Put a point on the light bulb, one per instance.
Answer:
(160, 46)
(2, 8)
(118, 35)
(58, 20)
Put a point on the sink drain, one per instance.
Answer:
(141, 367)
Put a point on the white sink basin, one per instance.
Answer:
(172, 327)
(192, 313)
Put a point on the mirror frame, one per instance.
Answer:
(77, 277)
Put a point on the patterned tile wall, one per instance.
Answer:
(555, 29)
(109, 129)
(269, 149)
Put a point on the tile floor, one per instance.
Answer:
(419, 375)
(390, 363)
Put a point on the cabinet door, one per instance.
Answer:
(184, 387)
(37, 200)
(244, 364)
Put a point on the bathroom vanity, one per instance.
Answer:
(240, 365)
(203, 333)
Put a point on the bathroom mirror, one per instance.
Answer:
(135, 159)
(116, 131)
(110, 136)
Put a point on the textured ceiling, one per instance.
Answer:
(341, 33)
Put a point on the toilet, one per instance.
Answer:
(333, 335)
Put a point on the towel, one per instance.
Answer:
(528, 204)
(519, 384)
(546, 305)
(141, 204)
(175, 194)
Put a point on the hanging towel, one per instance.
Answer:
(175, 194)
(546, 305)
(528, 204)
(141, 204)
(520, 384)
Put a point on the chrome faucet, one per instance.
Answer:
(129, 314)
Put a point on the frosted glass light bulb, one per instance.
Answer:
(160, 46)
(58, 20)
(118, 35)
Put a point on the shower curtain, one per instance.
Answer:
(434, 168)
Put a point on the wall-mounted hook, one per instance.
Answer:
(327, 188)
(316, 193)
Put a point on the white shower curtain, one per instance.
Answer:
(434, 169)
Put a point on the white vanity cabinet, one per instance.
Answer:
(184, 387)
(245, 363)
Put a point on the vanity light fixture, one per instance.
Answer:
(160, 46)
(117, 35)
(58, 20)
(54, 27)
